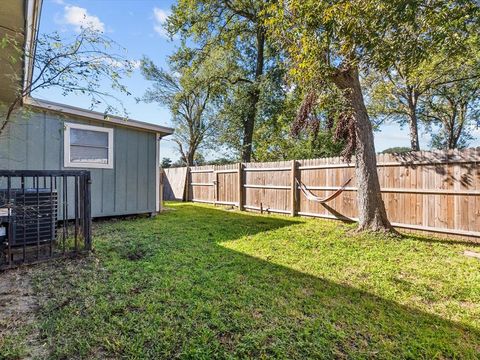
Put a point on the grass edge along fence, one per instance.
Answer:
(432, 191)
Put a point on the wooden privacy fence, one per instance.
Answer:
(429, 191)
(173, 183)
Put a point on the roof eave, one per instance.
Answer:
(95, 116)
(32, 22)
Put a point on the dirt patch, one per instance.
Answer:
(18, 307)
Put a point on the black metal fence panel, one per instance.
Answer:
(43, 215)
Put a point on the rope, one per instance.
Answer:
(310, 196)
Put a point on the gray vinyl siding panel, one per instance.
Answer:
(35, 142)
(120, 168)
(132, 181)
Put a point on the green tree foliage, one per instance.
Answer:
(166, 163)
(401, 93)
(454, 108)
(275, 139)
(198, 160)
(220, 161)
(229, 38)
(396, 150)
(190, 96)
(75, 66)
(329, 44)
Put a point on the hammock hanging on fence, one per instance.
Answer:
(310, 196)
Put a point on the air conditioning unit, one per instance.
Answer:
(28, 216)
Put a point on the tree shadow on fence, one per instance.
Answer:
(466, 160)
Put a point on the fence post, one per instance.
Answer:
(240, 186)
(186, 191)
(215, 185)
(293, 190)
(160, 190)
(88, 210)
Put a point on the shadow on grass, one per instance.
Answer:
(193, 298)
(442, 240)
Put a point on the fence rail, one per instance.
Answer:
(436, 191)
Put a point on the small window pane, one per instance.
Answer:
(88, 137)
(80, 154)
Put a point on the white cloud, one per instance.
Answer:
(79, 18)
(116, 63)
(134, 64)
(160, 17)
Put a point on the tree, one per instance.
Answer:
(401, 93)
(220, 161)
(275, 140)
(230, 32)
(330, 43)
(455, 108)
(395, 97)
(77, 66)
(190, 98)
(396, 150)
(166, 163)
(199, 160)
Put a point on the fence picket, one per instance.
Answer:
(435, 191)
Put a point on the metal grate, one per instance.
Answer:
(43, 215)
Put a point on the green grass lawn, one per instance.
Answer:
(202, 282)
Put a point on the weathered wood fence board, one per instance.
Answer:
(435, 191)
(173, 183)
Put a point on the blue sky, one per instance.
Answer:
(137, 26)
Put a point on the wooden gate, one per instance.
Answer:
(226, 184)
(218, 184)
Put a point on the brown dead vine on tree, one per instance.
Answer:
(346, 131)
(307, 119)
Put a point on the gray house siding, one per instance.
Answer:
(35, 142)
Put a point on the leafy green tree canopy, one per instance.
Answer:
(329, 44)
(229, 38)
(166, 163)
(77, 65)
(190, 96)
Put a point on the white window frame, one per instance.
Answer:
(66, 147)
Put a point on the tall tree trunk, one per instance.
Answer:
(413, 124)
(248, 127)
(249, 123)
(451, 130)
(414, 143)
(371, 209)
(461, 119)
(191, 152)
(413, 120)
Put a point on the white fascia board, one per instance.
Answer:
(96, 116)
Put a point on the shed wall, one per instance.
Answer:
(34, 141)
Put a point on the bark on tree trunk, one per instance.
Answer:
(413, 122)
(248, 128)
(190, 158)
(414, 144)
(249, 123)
(461, 122)
(371, 209)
